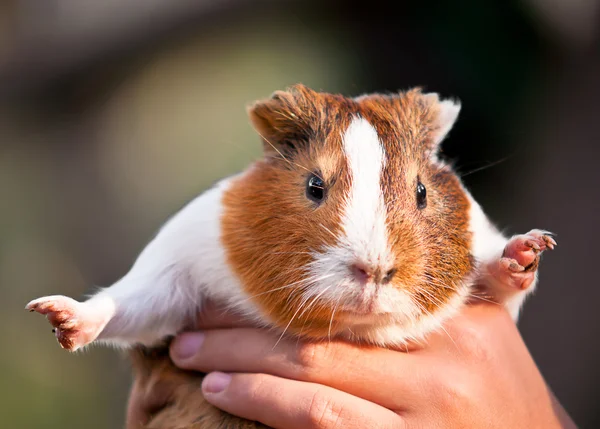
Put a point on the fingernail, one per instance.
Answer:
(216, 382)
(187, 345)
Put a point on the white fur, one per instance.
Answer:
(449, 111)
(364, 237)
(364, 231)
(165, 288)
(398, 330)
(186, 262)
(448, 114)
(488, 243)
(487, 248)
(364, 219)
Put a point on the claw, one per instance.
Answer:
(74, 324)
(550, 242)
(516, 267)
(521, 256)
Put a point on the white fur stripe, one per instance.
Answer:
(364, 219)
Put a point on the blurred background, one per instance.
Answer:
(113, 114)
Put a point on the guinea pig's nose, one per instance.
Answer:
(363, 273)
(389, 275)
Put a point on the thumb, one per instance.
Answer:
(288, 404)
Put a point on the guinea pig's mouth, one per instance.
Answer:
(376, 302)
(357, 316)
(372, 303)
(365, 303)
(370, 314)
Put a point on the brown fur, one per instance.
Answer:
(269, 226)
(436, 240)
(181, 405)
(303, 132)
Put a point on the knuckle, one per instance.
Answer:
(476, 345)
(311, 357)
(456, 392)
(324, 412)
(318, 361)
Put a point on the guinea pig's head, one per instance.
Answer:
(350, 220)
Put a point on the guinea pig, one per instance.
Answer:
(350, 226)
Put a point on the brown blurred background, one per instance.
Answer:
(115, 113)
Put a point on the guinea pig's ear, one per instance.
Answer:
(447, 113)
(285, 121)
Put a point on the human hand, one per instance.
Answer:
(475, 373)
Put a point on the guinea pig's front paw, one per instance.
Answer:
(73, 326)
(519, 262)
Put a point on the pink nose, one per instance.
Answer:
(364, 273)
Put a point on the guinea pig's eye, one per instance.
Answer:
(315, 188)
(421, 196)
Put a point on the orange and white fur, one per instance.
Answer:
(350, 226)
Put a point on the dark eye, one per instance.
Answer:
(421, 196)
(315, 188)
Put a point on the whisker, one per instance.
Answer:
(289, 253)
(451, 339)
(332, 315)
(316, 298)
(286, 327)
(276, 289)
(492, 164)
(484, 299)
(294, 316)
(432, 281)
(328, 230)
(438, 321)
(312, 280)
(431, 296)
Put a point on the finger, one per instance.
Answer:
(288, 404)
(478, 322)
(344, 366)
